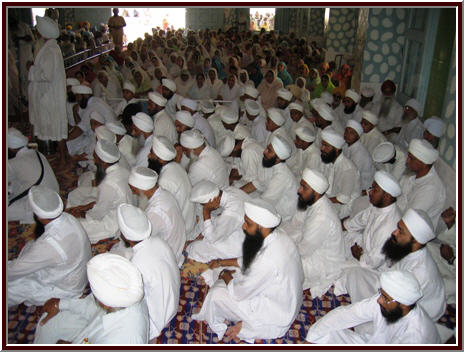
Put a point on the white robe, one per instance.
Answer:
(362, 159)
(83, 321)
(396, 169)
(163, 125)
(372, 139)
(250, 162)
(256, 298)
(203, 93)
(47, 93)
(171, 106)
(310, 157)
(317, 234)
(209, 166)
(333, 328)
(393, 118)
(413, 129)
(258, 129)
(141, 158)
(161, 281)
(344, 117)
(202, 125)
(53, 266)
(223, 234)
(167, 222)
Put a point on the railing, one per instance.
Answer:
(86, 55)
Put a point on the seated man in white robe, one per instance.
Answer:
(162, 210)
(201, 124)
(275, 126)
(157, 263)
(169, 92)
(371, 137)
(123, 141)
(99, 218)
(387, 108)
(433, 130)
(257, 120)
(128, 95)
(263, 296)
(351, 109)
(26, 168)
(324, 117)
(143, 127)
(163, 125)
(412, 125)
(222, 233)
(276, 184)
(52, 265)
(298, 119)
(114, 313)
(424, 189)
(227, 123)
(390, 158)
(307, 153)
(316, 231)
(395, 316)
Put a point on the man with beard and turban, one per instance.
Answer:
(168, 90)
(142, 128)
(307, 154)
(406, 250)
(163, 125)
(52, 265)
(263, 295)
(388, 109)
(316, 231)
(371, 136)
(350, 110)
(324, 117)
(276, 182)
(162, 209)
(434, 129)
(26, 168)
(395, 316)
(114, 313)
(412, 125)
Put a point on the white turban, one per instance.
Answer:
(383, 152)
(107, 151)
(47, 27)
(95, 115)
(45, 202)
(114, 280)
(72, 82)
(157, 98)
(281, 147)
(285, 94)
(402, 286)
(185, 118)
(81, 89)
(370, 116)
(332, 137)
(241, 132)
(169, 84)
(207, 107)
(295, 106)
(419, 224)
(191, 139)
(327, 97)
(143, 122)
(316, 180)
(356, 126)
(435, 126)
(229, 116)
(250, 91)
(276, 116)
(116, 127)
(104, 133)
(143, 178)
(305, 134)
(252, 107)
(189, 103)
(325, 111)
(350, 93)
(163, 148)
(262, 213)
(388, 183)
(367, 92)
(204, 191)
(129, 86)
(133, 223)
(414, 104)
(226, 145)
(16, 139)
(423, 151)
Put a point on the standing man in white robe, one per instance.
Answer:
(47, 89)
(316, 231)
(396, 317)
(157, 263)
(252, 297)
(52, 265)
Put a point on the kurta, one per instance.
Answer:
(393, 117)
(161, 281)
(310, 157)
(47, 93)
(250, 162)
(210, 166)
(167, 222)
(223, 234)
(318, 235)
(372, 139)
(396, 169)
(141, 158)
(202, 125)
(164, 126)
(362, 159)
(54, 265)
(256, 298)
(343, 117)
(82, 321)
(333, 328)
(426, 193)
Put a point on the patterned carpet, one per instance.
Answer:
(22, 320)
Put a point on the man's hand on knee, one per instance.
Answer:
(52, 308)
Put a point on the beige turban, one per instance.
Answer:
(207, 107)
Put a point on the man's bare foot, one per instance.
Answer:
(234, 330)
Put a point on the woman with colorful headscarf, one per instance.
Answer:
(283, 74)
(325, 85)
(214, 82)
(268, 89)
(343, 77)
(255, 73)
(200, 90)
(300, 92)
(313, 80)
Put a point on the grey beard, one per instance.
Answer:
(386, 106)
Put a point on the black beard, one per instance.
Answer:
(330, 157)
(155, 165)
(250, 247)
(168, 96)
(392, 316)
(39, 227)
(71, 97)
(349, 110)
(83, 103)
(303, 204)
(11, 154)
(267, 163)
(99, 174)
(394, 251)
